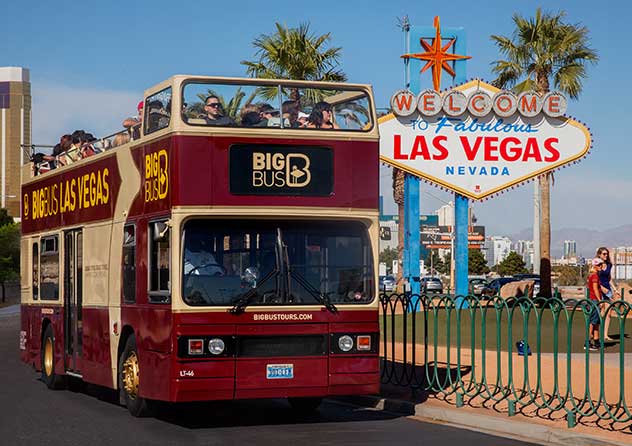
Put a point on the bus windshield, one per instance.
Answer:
(276, 263)
(274, 105)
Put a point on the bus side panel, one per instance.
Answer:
(96, 364)
(31, 331)
(152, 326)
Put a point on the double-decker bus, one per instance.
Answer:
(225, 249)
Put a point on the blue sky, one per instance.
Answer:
(91, 61)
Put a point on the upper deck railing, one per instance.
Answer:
(274, 108)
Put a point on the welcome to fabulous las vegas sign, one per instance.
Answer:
(478, 140)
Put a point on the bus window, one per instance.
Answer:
(158, 111)
(35, 277)
(49, 268)
(347, 110)
(129, 264)
(275, 105)
(159, 253)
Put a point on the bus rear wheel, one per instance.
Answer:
(129, 380)
(47, 353)
(305, 405)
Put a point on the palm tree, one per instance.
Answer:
(544, 50)
(399, 179)
(230, 107)
(295, 53)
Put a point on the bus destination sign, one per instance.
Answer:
(281, 170)
(85, 194)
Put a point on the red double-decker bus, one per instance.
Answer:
(223, 249)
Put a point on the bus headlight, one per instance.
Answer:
(345, 343)
(216, 346)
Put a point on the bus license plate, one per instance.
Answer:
(280, 371)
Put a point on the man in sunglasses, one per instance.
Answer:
(213, 113)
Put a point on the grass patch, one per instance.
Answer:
(475, 329)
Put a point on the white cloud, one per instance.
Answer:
(60, 109)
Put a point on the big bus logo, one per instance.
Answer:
(156, 175)
(280, 170)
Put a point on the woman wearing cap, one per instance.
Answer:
(608, 287)
(133, 123)
(594, 293)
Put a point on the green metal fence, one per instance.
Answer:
(512, 355)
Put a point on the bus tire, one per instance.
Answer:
(129, 379)
(305, 405)
(47, 354)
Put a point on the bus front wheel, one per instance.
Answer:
(47, 353)
(129, 380)
(305, 405)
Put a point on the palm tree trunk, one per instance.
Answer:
(545, 236)
(398, 195)
(542, 82)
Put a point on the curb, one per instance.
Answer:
(492, 425)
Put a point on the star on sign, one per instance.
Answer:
(437, 56)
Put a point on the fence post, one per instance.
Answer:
(570, 419)
(511, 409)
(459, 399)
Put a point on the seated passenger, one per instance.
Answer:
(290, 113)
(302, 119)
(321, 117)
(133, 123)
(53, 159)
(214, 115)
(198, 258)
(74, 151)
(270, 117)
(87, 147)
(251, 119)
(120, 139)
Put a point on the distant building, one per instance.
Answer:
(15, 129)
(525, 249)
(497, 249)
(622, 259)
(570, 249)
(446, 214)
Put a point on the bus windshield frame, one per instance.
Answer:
(276, 262)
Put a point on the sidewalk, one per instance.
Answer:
(530, 429)
(488, 412)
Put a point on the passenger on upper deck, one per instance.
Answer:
(214, 115)
(290, 112)
(321, 117)
(133, 123)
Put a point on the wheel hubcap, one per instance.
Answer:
(48, 357)
(130, 375)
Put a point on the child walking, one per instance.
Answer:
(594, 292)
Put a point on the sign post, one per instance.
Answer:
(435, 52)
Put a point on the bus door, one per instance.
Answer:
(73, 298)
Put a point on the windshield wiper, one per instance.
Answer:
(244, 301)
(322, 298)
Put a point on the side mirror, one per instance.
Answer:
(159, 230)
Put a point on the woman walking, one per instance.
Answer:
(607, 286)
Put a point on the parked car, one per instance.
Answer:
(387, 283)
(493, 289)
(431, 285)
(477, 285)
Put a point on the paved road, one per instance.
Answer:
(84, 415)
